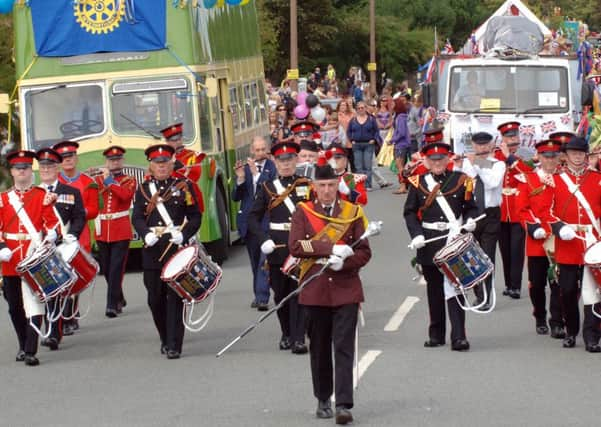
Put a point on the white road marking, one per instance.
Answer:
(367, 359)
(397, 318)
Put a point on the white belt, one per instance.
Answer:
(114, 215)
(19, 236)
(160, 230)
(436, 226)
(584, 228)
(322, 261)
(508, 191)
(282, 226)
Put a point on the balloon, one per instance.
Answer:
(209, 3)
(301, 111)
(233, 2)
(244, 2)
(312, 101)
(318, 114)
(220, 3)
(301, 97)
(6, 6)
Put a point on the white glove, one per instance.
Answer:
(268, 247)
(335, 262)
(5, 254)
(343, 251)
(418, 242)
(567, 233)
(151, 239)
(176, 237)
(540, 233)
(51, 235)
(470, 225)
(69, 238)
(343, 188)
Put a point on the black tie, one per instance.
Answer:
(328, 210)
(50, 188)
(259, 167)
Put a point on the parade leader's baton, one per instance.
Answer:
(444, 236)
(373, 229)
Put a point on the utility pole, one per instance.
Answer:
(372, 46)
(293, 75)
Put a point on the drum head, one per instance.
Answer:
(593, 254)
(67, 250)
(179, 262)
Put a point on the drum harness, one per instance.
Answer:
(590, 293)
(454, 227)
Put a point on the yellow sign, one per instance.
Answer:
(292, 74)
(371, 66)
(490, 104)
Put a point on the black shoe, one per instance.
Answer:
(385, 185)
(111, 313)
(121, 305)
(514, 293)
(542, 328)
(164, 349)
(558, 332)
(20, 357)
(51, 343)
(31, 360)
(285, 343)
(254, 304)
(75, 323)
(485, 307)
(569, 341)
(433, 343)
(324, 409)
(593, 348)
(343, 415)
(460, 345)
(262, 306)
(299, 348)
(172, 354)
(506, 292)
(68, 329)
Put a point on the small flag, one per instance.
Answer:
(548, 127)
(474, 42)
(448, 48)
(566, 119)
(527, 130)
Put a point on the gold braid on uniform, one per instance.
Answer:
(152, 201)
(277, 199)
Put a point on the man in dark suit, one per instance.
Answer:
(68, 205)
(250, 176)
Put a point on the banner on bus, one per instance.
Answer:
(78, 27)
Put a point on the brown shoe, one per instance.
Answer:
(400, 190)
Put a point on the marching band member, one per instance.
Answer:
(25, 213)
(165, 215)
(417, 165)
(512, 236)
(435, 205)
(249, 178)
(303, 130)
(534, 194)
(351, 186)
(308, 152)
(89, 193)
(332, 299)
(488, 174)
(69, 209)
(573, 217)
(277, 199)
(113, 226)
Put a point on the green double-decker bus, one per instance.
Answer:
(209, 76)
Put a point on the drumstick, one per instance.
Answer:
(282, 245)
(444, 236)
(180, 228)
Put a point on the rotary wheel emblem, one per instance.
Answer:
(99, 16)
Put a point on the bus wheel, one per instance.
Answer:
(218, 248)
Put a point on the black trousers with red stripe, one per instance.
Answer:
(538, 267)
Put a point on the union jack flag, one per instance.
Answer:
(565, 119)
(527, 130)
(474, 43)
(448, 48)
(548, 127)
(443, 117)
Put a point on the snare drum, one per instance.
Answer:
(463, 261)
(83, 264)
(291, 267)
(191, 274)
(46, 273)
(592, 259)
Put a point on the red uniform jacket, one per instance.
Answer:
(113, 223)
(89, 193)
(42, 217)
(533, 195)
(332, 288)
(514, 174)
(191, 161)
(566, 209)
(356, 183)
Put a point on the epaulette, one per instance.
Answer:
(414, 180)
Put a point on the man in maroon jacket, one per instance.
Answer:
(322, 231)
